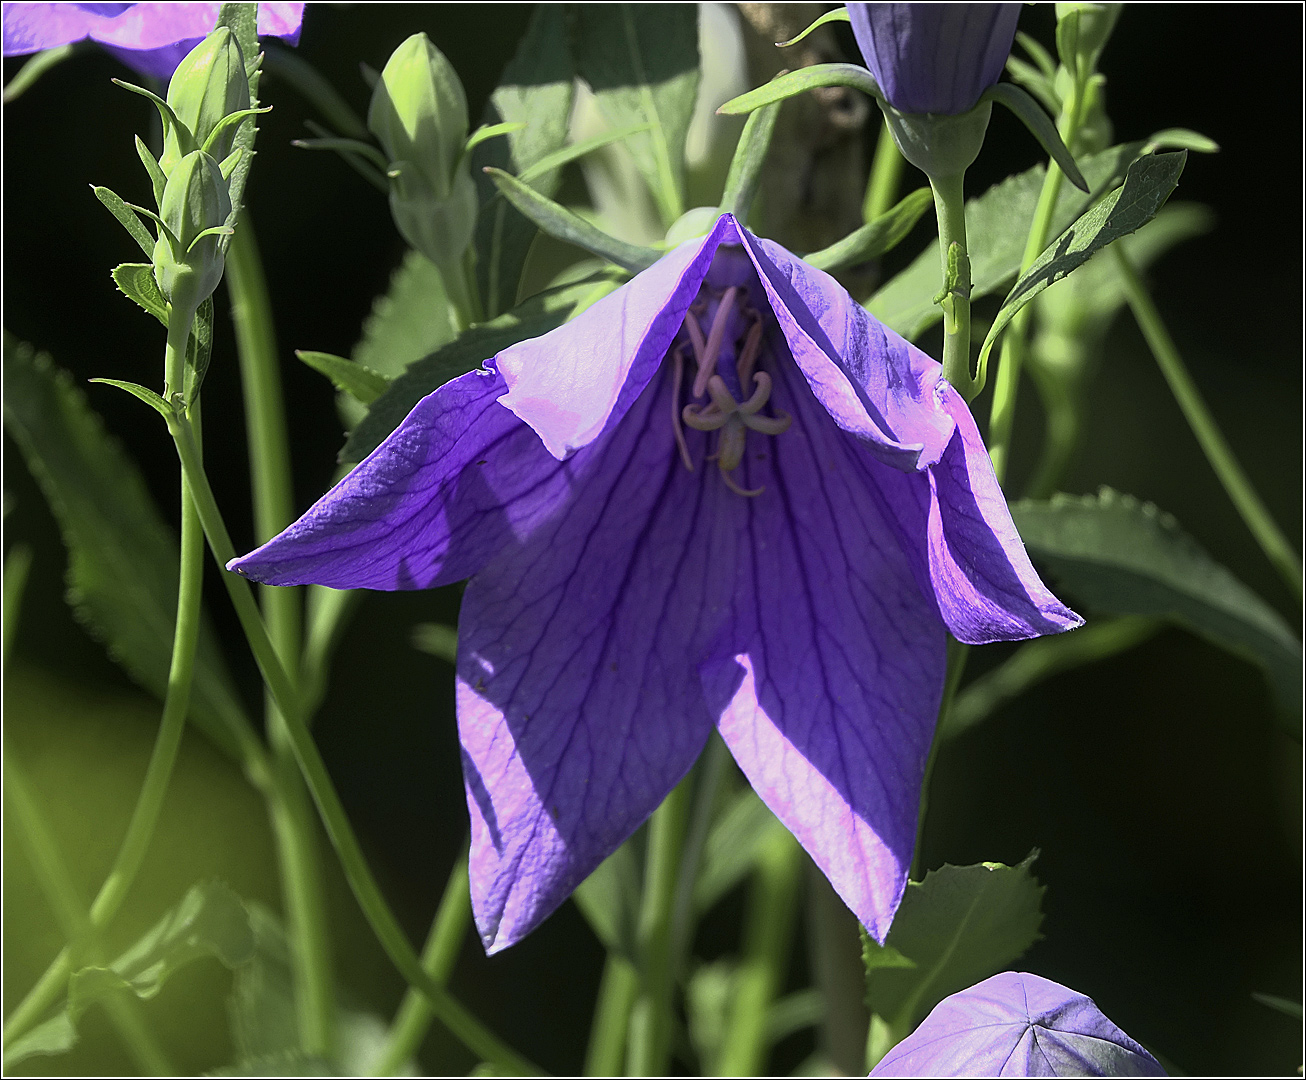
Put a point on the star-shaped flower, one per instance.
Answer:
(1017, 1024)
(150, 38)
(723, 496)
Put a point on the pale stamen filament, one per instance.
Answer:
(707, 363)
(752, 347)
(677, 377)
(696, 339)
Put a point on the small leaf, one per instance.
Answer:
(491, 131)
(793, 83)
(536, 90)
(561, 223)
(733, 845)
(157, 179)
(127, 217)
(57, 1035)
(1040, 126)
(362, 383)
(264, 1023)
(1118, 556)
(122, 559)
(1147, 185)
(136, 281)
(958, 926)
(1182, 139)
(610, 899)
(211, 920)
(837, 15)
(1278, 1004)
(538, 315)
(642, 63)
(138, 391)
(875, 238)
(745, 174)
(996, 225)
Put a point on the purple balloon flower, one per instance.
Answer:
(150, 38)
(1016, 1024)
(722, 496)
(934, 58)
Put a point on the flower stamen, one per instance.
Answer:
(677, 377)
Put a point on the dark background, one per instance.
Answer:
(1164, 800)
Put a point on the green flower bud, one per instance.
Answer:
(1082, 34)
(208, 85)
(189, 254)
(419, 115)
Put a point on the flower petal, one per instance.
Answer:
(455, 482)
(29, 28)
(830, 700)
(874, 384)
(1017, 1024)
(570, 382)
(579, 703)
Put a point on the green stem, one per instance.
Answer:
(1002, 409)
(652, 1020)
(158, 773)
(618, 993)
(439, 955)
(17, 565)
(328, 612)
(464, 1026)
(958, 653)
(70, 912)
(886, 176)
(270, 482)
(1213, 443)
(767, 941)
(950, 209)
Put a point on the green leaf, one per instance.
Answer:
(1040, 126)
(535, 89)
(127, 218)
(411, 320)
(211, 920)
(538, 315)
(733, 845)
(1182, 139)
(157, 179)
(57, 1035)
(199, 348)
(574, 152)
(837, 15)
(745, 174)
(1115, 555)
(136, 282)
(1278, 1004)
(996, 225)
(361, 383)
(958, 926)
(876, 237)
(561, 223)
(264, 1022)
(610, 900)
(1147, 185)
(641, 61)
(122, 559)
(793, 83)
(144, 393)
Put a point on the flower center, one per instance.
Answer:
(723, 377)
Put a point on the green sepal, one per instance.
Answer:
(153, 400)
(344, 146)
(798, 82)
(222, 125)
(313, 87)
(1279, 1004)
(1181, 139)
(876, 237)
(745, 175)
(361, 383)
(1041, 57)
(1148, 184)
(576, 151)
(561, 223)
(136, 281)
(491, 131)
(170, 122)
(227, 166)
(157, 179)
(1040, 126)
(837, 15)
(36, 66)
(126, 217)
(1115, 555)
(958, 926)
(1033, 80)
(436, 639)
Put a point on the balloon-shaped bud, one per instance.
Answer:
(208, 86)
(419, 115)
(189, 254)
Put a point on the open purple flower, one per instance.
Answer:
(722, 496)
(934, 58)
(150, 38)
(1017, 1024)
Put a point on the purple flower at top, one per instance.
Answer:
(1017, 1024)
(723, 496)
(149, 38)
(934, 58)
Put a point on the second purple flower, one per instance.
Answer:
(723, 496)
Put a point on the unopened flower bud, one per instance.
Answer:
(208, 85)
(189, 256)
(1082, 34)
(419, 114)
